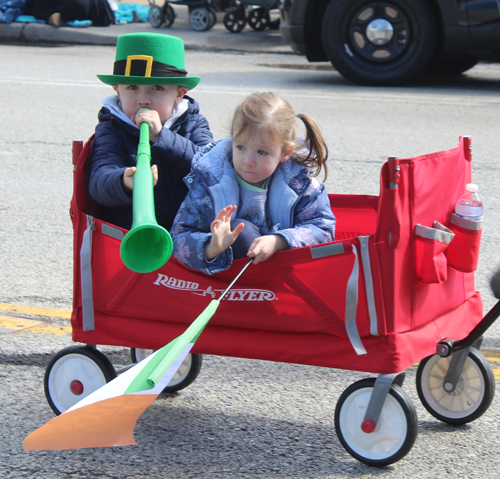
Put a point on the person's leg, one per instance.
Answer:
(245, 238)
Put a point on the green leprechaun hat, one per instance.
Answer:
(149, 59)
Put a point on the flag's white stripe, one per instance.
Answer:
(119, 385)
(166, 378)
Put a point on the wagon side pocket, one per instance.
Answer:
(430, 246)
(463, 252)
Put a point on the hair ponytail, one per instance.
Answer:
(314, 152)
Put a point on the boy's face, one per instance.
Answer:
(161, 98)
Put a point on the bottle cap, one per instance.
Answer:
(472, 188)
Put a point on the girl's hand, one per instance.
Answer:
(151, 117)
(128, 176)
(222, 236)
(263, 247)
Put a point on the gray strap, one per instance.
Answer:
(352, 306)
(327, 250)
(112, 231)
(86, 276)
(441, 234)
(370, 296)
(466, 223)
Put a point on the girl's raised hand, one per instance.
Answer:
(222, 236)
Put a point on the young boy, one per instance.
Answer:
(151, 85)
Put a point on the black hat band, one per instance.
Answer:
(145, 66)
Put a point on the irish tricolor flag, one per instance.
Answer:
(107, 417)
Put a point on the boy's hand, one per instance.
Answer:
(128, 176)
(264, 247)
(151, 117)
(222, 236)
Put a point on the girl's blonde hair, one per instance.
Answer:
(271, 113)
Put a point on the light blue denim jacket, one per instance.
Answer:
(298, 206)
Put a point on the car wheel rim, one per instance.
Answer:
(379, 32)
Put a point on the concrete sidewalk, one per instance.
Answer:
(217, 38)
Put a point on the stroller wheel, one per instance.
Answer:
(186, 374)
(394, 434)
(155, 16)
(200, 19)
(235, 20)
(213, 17)
(169, 15)
(472, 396)
(259, 19)
(73, 374)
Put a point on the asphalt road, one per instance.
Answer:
(240, 418)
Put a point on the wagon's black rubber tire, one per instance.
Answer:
(156, 16)
(169, 15)
(186, 374)
(449, 66)
(404, 55)
(83, 364)
(258, 19)
(472, 397)
(235, 19)
(396, 430)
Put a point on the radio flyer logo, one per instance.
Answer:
(233, 295)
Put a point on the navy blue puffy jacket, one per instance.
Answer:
(115, 148)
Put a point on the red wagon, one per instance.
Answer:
(396, 286)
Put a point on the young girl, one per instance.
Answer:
(254, 193)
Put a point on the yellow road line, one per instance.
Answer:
(35, 311)
(12, 324)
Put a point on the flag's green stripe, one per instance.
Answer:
(140, 381)
(182, 341)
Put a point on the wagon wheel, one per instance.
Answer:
(235, 20)
(155, 16)
(169, 15)
(472, 397)
(259, 19)
(200, 19)
(396, 429)
(73, 374)
(186, 374)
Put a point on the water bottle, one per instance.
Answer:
(470, 206)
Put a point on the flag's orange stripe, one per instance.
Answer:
(106, 423)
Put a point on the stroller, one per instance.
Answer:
(396, 287)
(202, 13)
(256, 14)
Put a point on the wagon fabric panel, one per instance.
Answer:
(356, 303)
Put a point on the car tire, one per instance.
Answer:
(381, 42)
(449, 66)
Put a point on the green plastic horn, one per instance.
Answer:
(147, 246)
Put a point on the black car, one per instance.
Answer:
(389, 42)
